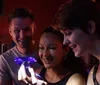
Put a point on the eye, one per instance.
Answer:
(16, 31)
(27, 29)
(68, 33)
(52, 47)
(41, 48)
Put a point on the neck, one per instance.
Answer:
(96, 51)
(54, 75)
(57, 71)
(27, 50)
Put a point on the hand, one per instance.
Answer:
(22, 76)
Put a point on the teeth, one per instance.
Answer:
(21, 40)
(73, 46)
(48, 59)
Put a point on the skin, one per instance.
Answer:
(51, 53)
(90, 77)
(83, 43)
(50, 46)
(76, 79)
(76, 40)
(21, 31)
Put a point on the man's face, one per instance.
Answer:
(21, 31)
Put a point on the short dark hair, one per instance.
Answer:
(76, 66)
(77, 13)
(22, 13)
(50, 29)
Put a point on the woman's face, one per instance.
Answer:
(77, 40)
(51, 50)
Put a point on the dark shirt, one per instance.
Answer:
(94, 75)
(63, 81)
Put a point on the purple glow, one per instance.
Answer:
(25, 60)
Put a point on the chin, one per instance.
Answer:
(47, 67)
(77, 55)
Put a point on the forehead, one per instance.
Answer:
(49, 37)
(74, 32)
(21, 22)
(63, 30)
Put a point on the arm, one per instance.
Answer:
(90, 77)
(76, 79)
(4, 75)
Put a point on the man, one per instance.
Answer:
(21, 29)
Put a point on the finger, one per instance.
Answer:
(34, 79)
(26, 81)
(23, 71)
(38, 76)
(19, 75)
(22, 74)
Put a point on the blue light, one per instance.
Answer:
(27, 61)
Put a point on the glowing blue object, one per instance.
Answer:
(27, 61)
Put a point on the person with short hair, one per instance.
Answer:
(21, 28)
(79, 21)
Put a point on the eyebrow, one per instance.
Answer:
(22, 28)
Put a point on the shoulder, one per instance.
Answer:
(8, 52)
(7, 56)
(76, 79)
(90, 77)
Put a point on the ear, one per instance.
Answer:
(91, 27)
(33, 27)
(10, 31)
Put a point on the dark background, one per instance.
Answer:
(44, 11)
(1, 7)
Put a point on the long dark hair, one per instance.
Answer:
(70, 62)
(75, 64)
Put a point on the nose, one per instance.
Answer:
(22, 34)
(66, 41)
(46, 52)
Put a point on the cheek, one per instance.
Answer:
(14, 36)
(79, 39)
(75, 38)
(29, 33)
(40, 54)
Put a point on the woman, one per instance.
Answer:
(79, 21)
(58, 69)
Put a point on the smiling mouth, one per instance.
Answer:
(73, 47)
(48, 59)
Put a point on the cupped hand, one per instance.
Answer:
(22, 76)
